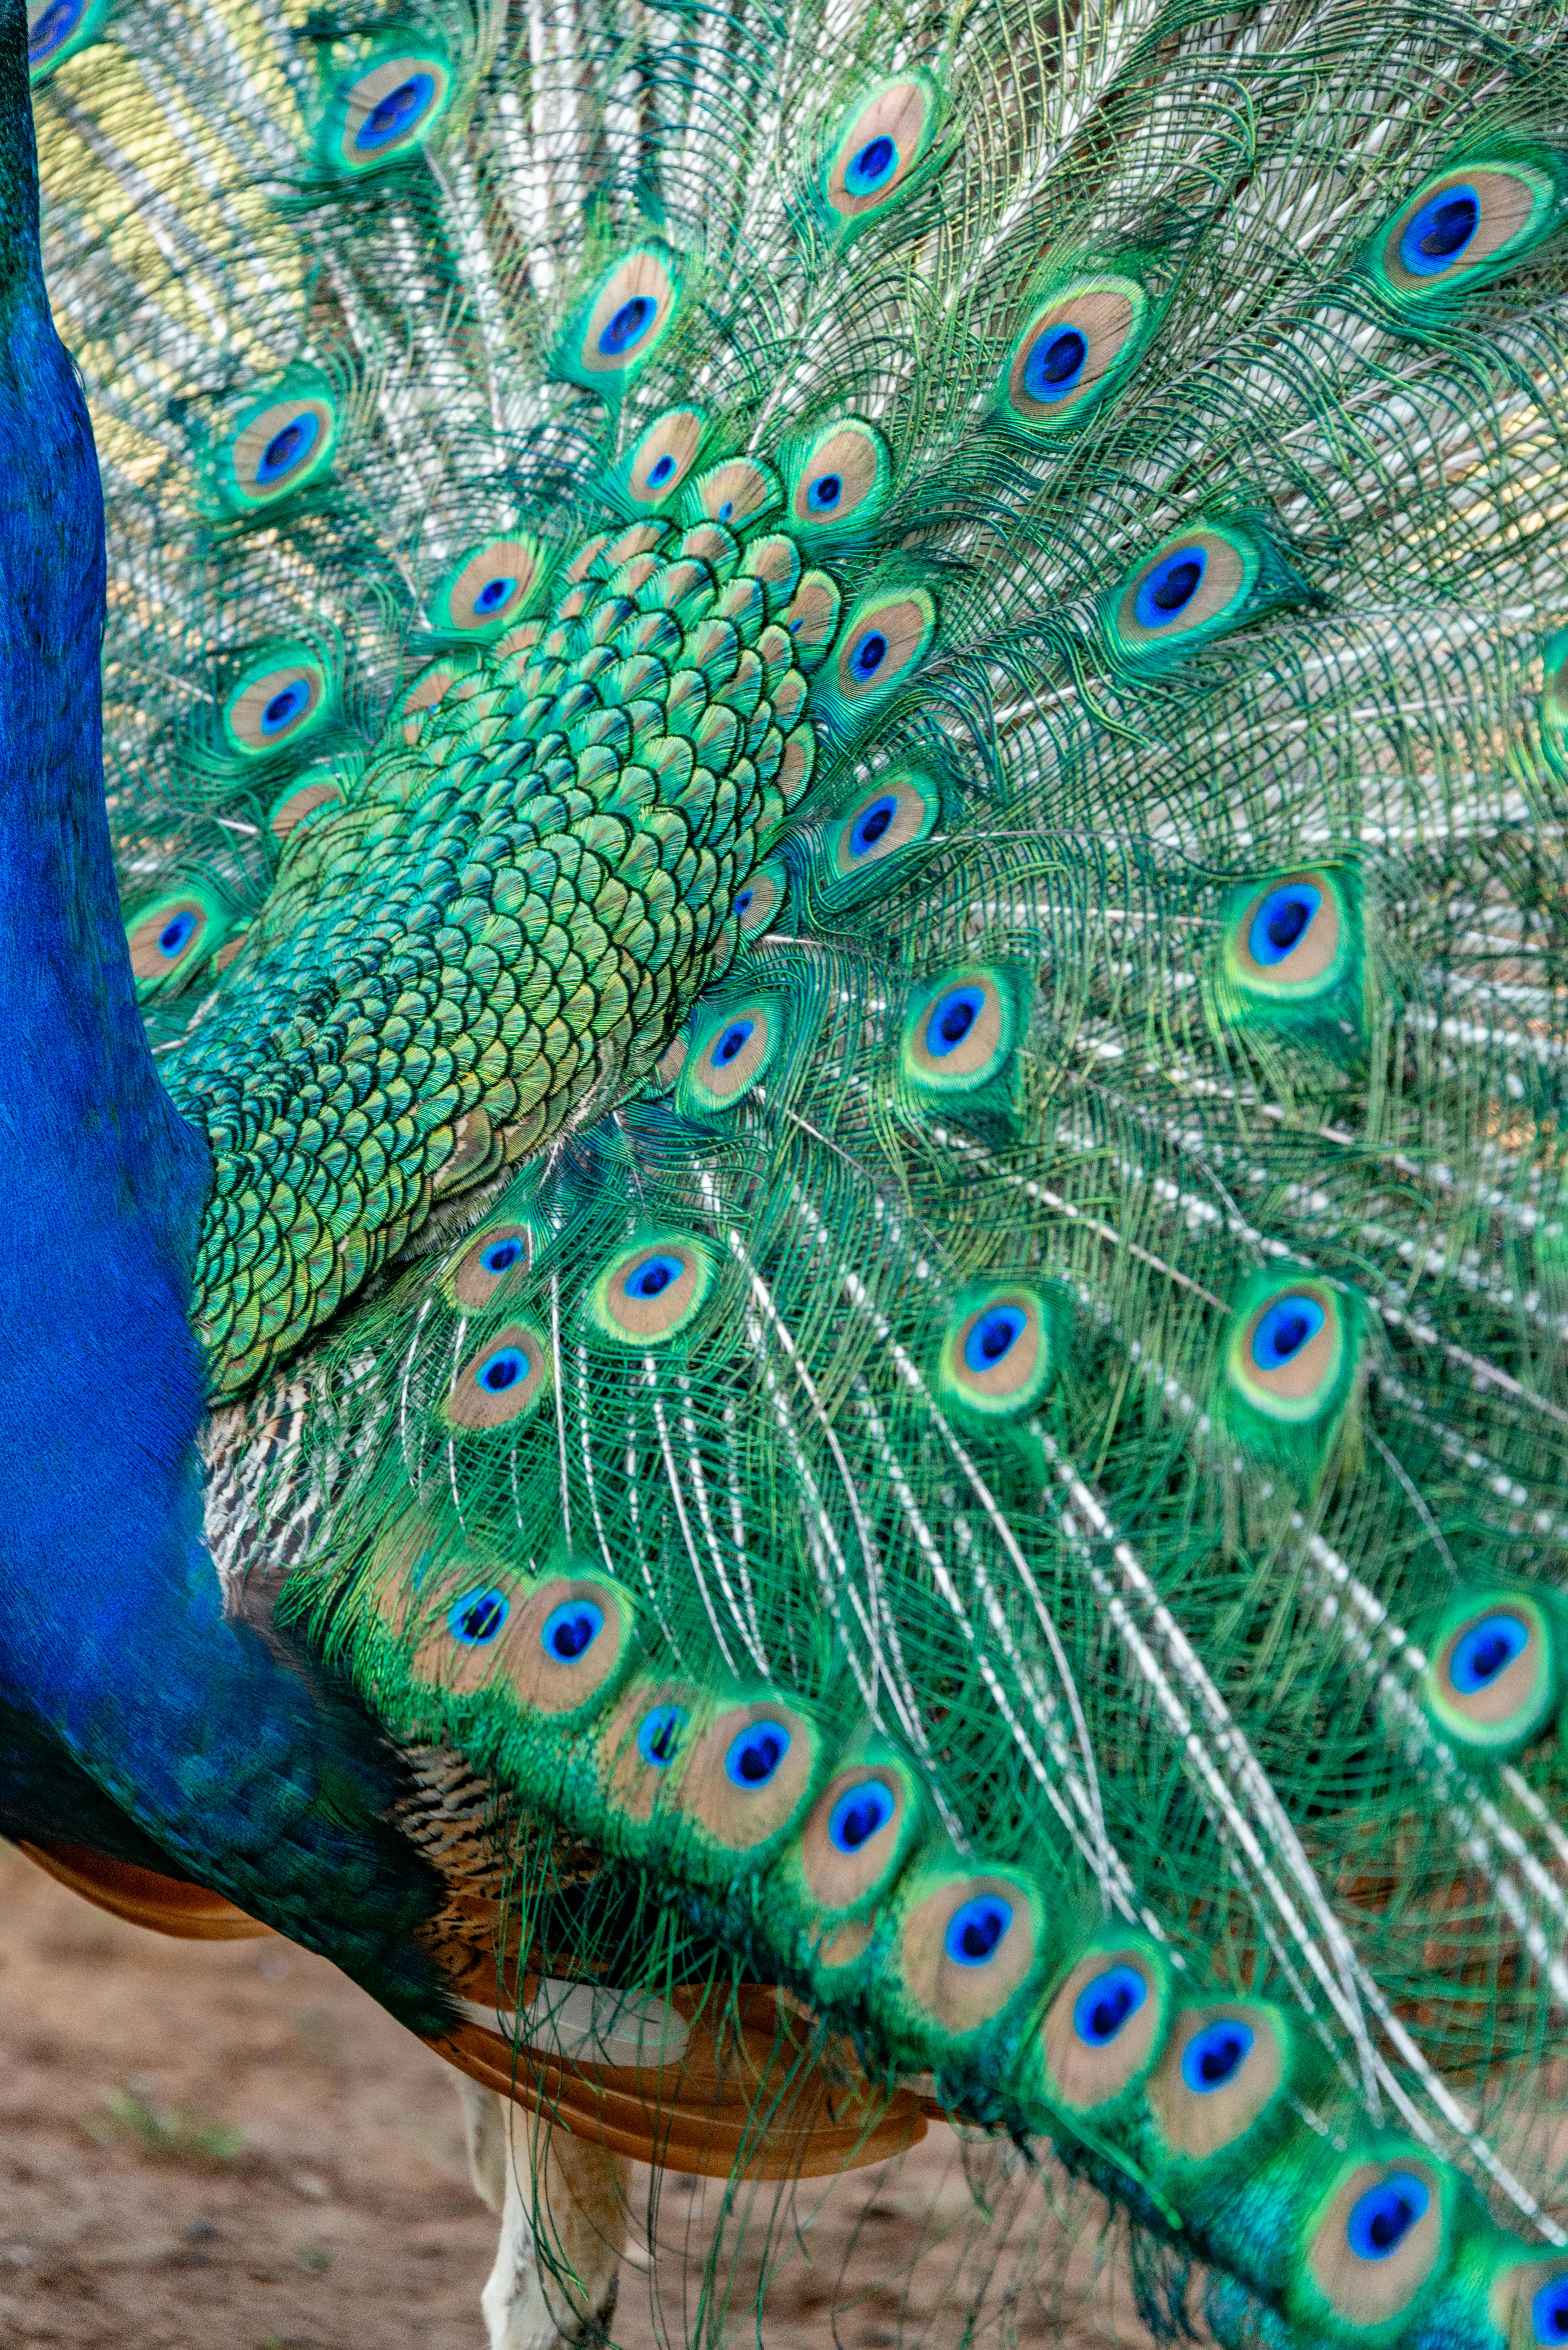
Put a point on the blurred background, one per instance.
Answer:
(227, 2147)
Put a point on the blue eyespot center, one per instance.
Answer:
(653, 1276)
(661, 471)
(744, 903)
(994, 1336)
(825, 493)
(54, 28)
(1216, 2055)
(1055, 364)
(1382, 2218)
(1282, 921)
(501, 1256)
(502, 1370)
(868, 654)
(477, 1616)
(1166, 591)
(872, 166)
(1549, 2310)
(629, 325)
(493, 595)
(291, 443)
(731, 1042)
(859, 1814)
(726, 511)
(396, 114)
(1290, 1324)
(288, 704)
(755, 1756)
(658, 1739)
(1437, 235)
(975, 1932)
(952, 1017)
(871, 823)
(1103, 2006)
(571, 1629)
(177, 933)
(1487, 1650)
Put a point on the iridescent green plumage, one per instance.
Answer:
(918, 1072)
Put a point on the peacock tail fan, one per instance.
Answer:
(839, 746)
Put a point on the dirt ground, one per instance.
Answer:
(228, 2146)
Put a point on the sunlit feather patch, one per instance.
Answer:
(57, 29)
(1105, 2025)
(281, 444)
(878, 150)
(732, 1048)
(172, 937)
(308, 796)
(960, 1031)
(1476, 217)
(738, 492)
(278, 701)
(1218, 2088)
(1193, 587)
(493, 587)
(384, 111)
(966, 1941)
(503, 1378)
(622, 322)
(653, 1290)
(1001, 1350)
(1371, 2246)
(1073, 349)
(494, 1260)
(1494, 1678)
(835, 482)
(880, 646)
(760, 899)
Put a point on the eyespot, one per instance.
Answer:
(1106, 2026)
(664, 456)
(880, 645)
(501, 1380)
(173, 937)
(876, 151)
(1287, 1355)
(479, 1617)
(755, 1756)
(732, 1051)
(493, 587)
(1289, 936)
(1465, 219)
(279, 448)
(571, 1629)
(967, 1946)
(312, 795)
(431, 687)
(1492, 1682)
(1379, 2238)
(892, 815)
(1529, 2302)
(57, 29)
(386, 112)
(810, 619)
(276, 702)
(659, 1735)
(651, 1293)
(960, 1033)
(1198, 583)
(498, 1255)
(762, 898)
(736, 493)
(839, 482)
(1224, 2068)
(854, 1841)
(997, 1355)
(624, 321)
(1073, 350)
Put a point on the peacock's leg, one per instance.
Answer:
(562, 2203)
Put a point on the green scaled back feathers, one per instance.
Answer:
(838, 743)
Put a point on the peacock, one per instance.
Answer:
(794, 1007)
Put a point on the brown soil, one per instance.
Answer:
(228, 2146)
